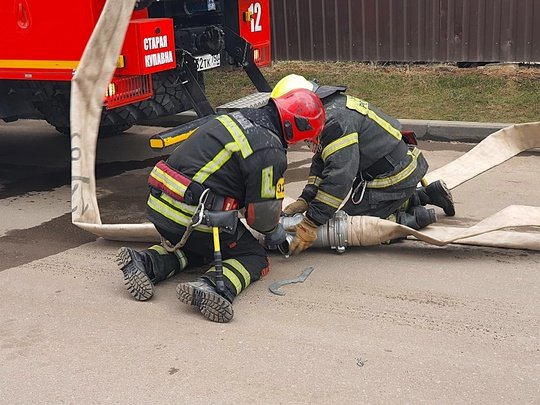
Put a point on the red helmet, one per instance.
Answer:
(302, 115)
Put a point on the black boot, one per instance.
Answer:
(417, 218)
(138, 275)
(436, 193)
(142, 269)
(204, 296)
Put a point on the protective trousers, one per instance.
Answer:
(244, 259)
(385, 201)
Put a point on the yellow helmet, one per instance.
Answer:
(291, 82)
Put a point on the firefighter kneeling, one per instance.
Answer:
(234, 161)
(363, 154)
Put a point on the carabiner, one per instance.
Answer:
(363, 184)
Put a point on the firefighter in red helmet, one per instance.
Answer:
(235, 161)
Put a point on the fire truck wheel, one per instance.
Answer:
(111, 124)
(169, 96)
(55, 110)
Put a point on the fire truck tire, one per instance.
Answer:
(55, 110)
(112, 123)
(169, 96)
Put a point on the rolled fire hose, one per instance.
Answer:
(95, 71)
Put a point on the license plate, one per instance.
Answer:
(205, 62)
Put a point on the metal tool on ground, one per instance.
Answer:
(274, 287)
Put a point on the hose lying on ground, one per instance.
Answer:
(96, 70)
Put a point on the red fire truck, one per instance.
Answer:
(168, 46)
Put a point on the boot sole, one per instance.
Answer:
(213, 306)
(443, 189)
(137, 282)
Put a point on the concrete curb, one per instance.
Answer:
(452, 131)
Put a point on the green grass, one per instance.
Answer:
(436, 92)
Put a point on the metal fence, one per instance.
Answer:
(407, 30)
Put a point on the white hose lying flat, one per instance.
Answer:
(365, 231)
(96, 70)
(492, 151)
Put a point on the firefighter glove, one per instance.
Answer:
(306, 234)
(299, 206)
(275, 237)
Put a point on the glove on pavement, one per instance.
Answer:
(297, 207)
(306, 234)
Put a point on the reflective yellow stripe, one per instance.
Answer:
(39, 64)
(169, 181)
(268, 190)
(172, 214)
(240, 144)
(241, 269)
(182, 258)
(233, 278)
(217, 163)
(396, 178)
(47, 64)
(338, 144)
(237, 134)
(158, 248)
(188, 210)
(362, 107)
(215, 234)
(328, 199)
(314, 180)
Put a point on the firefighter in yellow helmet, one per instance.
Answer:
(362, 152)
(234, 161)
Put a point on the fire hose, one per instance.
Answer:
(95, 72)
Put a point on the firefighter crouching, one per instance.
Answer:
(361, 151)
(232, 162)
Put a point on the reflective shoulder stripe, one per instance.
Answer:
(400, 176)
(328, 199)
(237, 134)
(176, 216)
(240, 144)
(217, 163)
(314, 180)
(362, 107)
(339, 144)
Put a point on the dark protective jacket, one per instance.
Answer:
(238, 155)
(358, 142)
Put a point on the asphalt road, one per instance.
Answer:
(404, 323)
